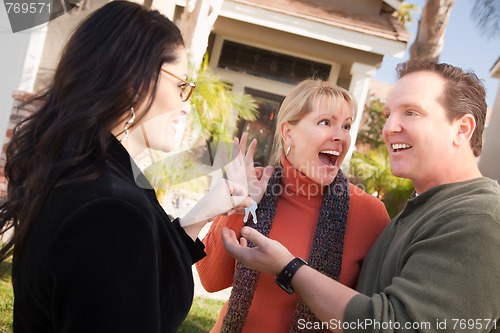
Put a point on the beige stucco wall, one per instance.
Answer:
(280, 41)
(489, 162)
(58, 33)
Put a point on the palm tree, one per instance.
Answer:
(370, 168)
(210, 125)
(486, 15)
(431, 30)
(371, 171)
(196, 24)
(217, 107)
(434, 20)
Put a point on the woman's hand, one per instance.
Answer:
(267, 256)
(241, 169)
(242, 188)
(224, 198)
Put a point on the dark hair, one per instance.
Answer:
(110, 64)
(464, 94)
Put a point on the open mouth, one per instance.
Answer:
(329, 157)
(397, 147)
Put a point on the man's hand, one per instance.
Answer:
(267, 256)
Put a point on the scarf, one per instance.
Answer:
(325, 255)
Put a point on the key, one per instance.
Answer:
(251, 210)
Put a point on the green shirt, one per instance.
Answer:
(436, 267)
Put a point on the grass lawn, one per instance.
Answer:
(201, 318)
(6, 298)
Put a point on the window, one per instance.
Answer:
(264, 126)
(270, 65)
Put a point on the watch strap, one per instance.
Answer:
(284, 278)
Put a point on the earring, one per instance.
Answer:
(127, 125)
(288, 151)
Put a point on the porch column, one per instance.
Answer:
(488, 161)
(19, 65)
(167, 8)
(360, 81)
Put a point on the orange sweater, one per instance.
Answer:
(295, 223)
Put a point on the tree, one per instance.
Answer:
(370, 168)
(486, 14)
(210, 127)
(196, 25)
(405, 13)
(218, 108)
(434, 20)
(431, 30)
(372, 123)
(372, 172)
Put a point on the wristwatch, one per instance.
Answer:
(284, 279)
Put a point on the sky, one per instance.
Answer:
(464, 46)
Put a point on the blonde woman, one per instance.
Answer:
(309, 206)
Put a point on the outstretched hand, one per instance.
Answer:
(223, 199)
(267, 256)
(243, 188)
(241, 169)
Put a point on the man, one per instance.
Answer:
(436, 267)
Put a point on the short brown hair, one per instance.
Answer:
(464, 94)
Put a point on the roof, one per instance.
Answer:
(395, 4)
(383, 25)
(379, 34)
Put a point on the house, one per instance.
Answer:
(262, 47)
(488, 162)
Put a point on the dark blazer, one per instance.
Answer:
(103, 256)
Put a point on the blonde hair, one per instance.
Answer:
(301, 101)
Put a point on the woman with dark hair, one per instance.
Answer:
(93, 251)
